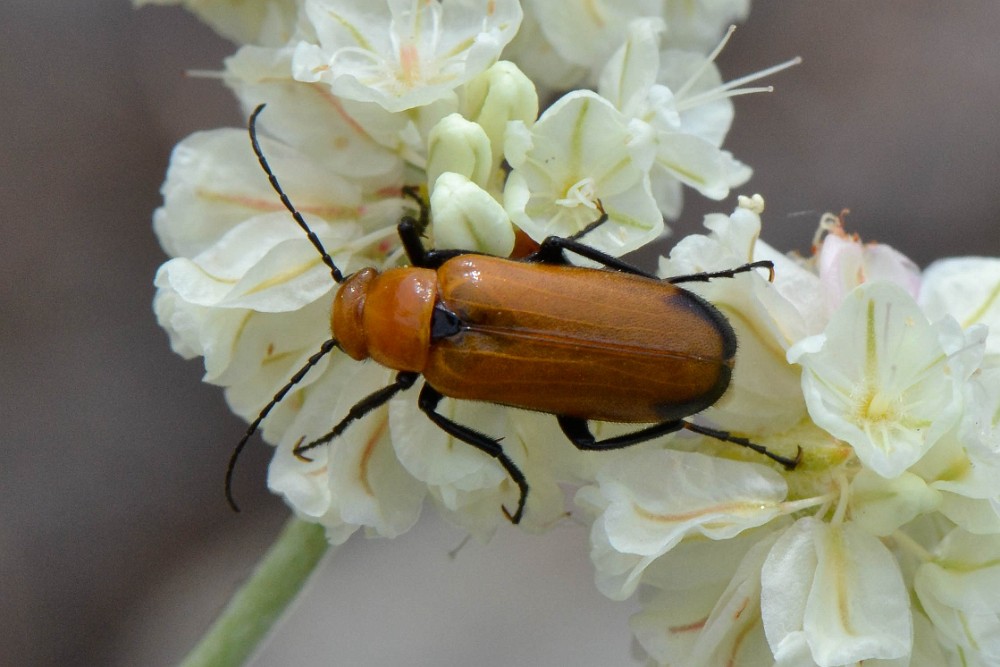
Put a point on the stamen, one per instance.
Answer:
(581, 193)
(731, 88)
(704, 65)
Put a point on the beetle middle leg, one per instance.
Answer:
(403, 381)
(428, 402)
(579, 433)
(553, 247)
(705, 276)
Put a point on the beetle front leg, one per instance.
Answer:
(404, 380)
(428, 402)
(419, 256)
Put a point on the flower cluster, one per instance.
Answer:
(885, 378)
(881, 544)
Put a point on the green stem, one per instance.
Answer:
(255, 608)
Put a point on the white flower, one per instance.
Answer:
(695, 26)
(247, 291)
(765, 396)
(701, 603)
(968, 289)
(587, 33)
(835, 586)
(215, 183)
(833, 593)
(581, 152)
(359, 140)
(844, 262)
(681, 96)
(402, 54)
(882, 378)
(958, 590)
(494, 98)
(651, 500)
(459, 146)
(537, 57)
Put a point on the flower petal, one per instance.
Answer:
(655, 498)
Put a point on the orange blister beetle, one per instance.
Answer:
(535, 333)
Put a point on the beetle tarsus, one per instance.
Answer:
(726, 436)
(592, 226)
(705, 276)
(297, 451)
(413, 192)
(428, 402)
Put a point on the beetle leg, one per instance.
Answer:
(404, 380)
(728, 273)
(409, 234)
(726, 436)
(428, 402)
(419, 256)
(579, 434)
(551, 252)
(413, 192)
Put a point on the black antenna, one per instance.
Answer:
(313, 360)
(326, 347)
(252, 126)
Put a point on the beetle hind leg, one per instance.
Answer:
(578, 432)
(580, 435)
(428, 402)
(726, 436)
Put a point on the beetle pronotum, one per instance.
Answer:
(536, 333)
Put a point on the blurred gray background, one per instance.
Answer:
(116, 547)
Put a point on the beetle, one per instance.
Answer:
(536, 333)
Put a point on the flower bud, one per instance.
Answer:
(460, 146)
(500, 94)
(467, 217)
